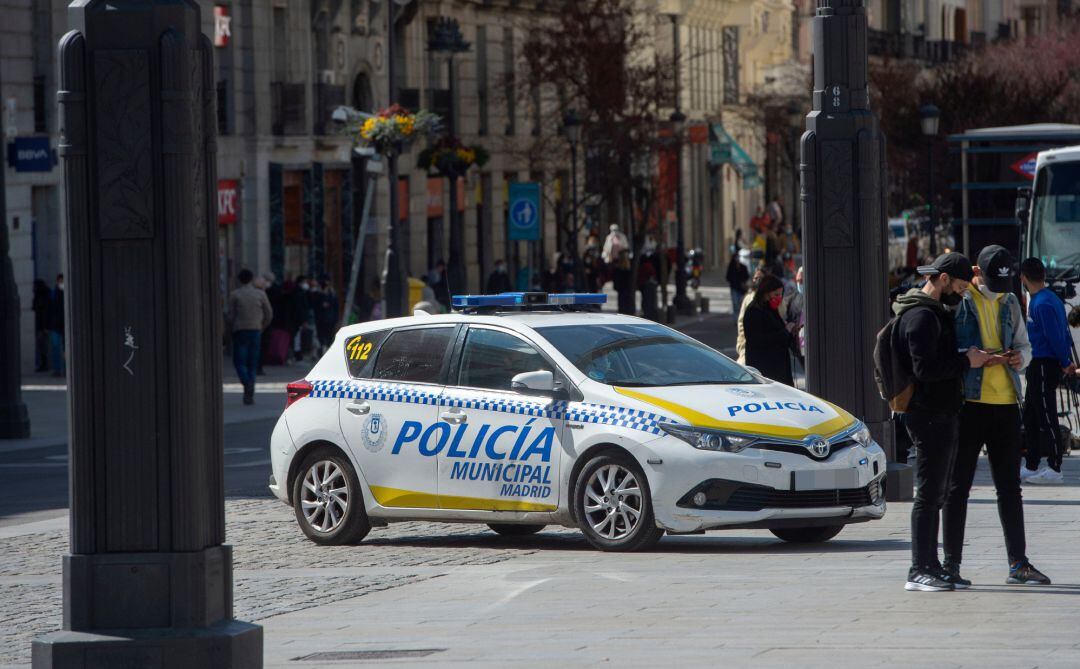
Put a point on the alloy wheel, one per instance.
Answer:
(613, 502)
(325, 496)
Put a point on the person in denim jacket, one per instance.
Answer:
(990, 318)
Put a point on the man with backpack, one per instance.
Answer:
(924, 371)
(990, 318)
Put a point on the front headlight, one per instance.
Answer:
(706, 439)
(862, 437)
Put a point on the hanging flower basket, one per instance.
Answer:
(394, 128)
(450, 158)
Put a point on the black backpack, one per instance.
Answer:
(895, 381)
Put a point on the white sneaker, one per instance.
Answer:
(1050, 477)
(1026, 473)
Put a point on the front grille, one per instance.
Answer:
(800, 449)
(723, 495)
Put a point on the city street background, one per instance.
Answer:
(454, 594)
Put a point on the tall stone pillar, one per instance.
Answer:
(148, 582)
(844, 242)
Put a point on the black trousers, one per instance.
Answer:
(934, 438)
(1040, 413)
(998, 427)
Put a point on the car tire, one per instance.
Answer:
(610, 519)
(515, 530)
(808, 535)
(327, 501)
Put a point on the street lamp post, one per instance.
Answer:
(447, 38)
(148, 580)
(572, 130)
(929, 118)
(843, 169)
(682, 302)
(678, 120)
(393, 278)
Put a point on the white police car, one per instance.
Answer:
(521, 412)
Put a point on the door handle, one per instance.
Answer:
(358, 408)
(453, 417)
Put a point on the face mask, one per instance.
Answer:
(799, 287)
(60, 285)
(304, 286)
(500, 269)
(774, 302)
(951, 299)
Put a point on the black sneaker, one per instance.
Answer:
(1023, 573)
(950, 573)
(927, 580)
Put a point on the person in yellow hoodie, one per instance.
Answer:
(989, 318)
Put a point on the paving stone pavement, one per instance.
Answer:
(737, 599)
(277, 569)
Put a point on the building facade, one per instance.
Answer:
(290, 188)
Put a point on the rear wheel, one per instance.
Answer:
(808, 535)
(514, 530)
(327, 500)
(613, 505)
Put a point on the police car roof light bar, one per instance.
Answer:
(524, 300)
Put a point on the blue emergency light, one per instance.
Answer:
(526, 300)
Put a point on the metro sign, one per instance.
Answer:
(227, 195)
(1025, 167)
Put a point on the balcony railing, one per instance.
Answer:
(905, 46)
(287, 103)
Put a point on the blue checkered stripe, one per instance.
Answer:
(582, 412)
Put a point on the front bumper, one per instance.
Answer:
(754, 488)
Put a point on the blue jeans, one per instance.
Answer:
(56, 351)
(245, 352)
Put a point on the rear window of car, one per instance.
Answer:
(360, 352)
(414, 356)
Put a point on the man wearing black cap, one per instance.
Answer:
(927, 346)
(990, 318)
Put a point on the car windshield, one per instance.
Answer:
(631, 354)
(1055, 221)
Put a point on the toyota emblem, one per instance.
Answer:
(818, 446)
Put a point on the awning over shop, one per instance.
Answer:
(724, 149)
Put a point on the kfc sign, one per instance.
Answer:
(228, 192)
(222, 30)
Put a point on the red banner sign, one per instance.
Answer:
(228, 196)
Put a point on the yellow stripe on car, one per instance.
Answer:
(411, 499)
(841, 422)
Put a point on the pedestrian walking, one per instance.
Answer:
(924, 343)
(499, 280)
(41, 329)
(614, 244)
(737, 275)
(793, 310)
(440, 284)
(768, 338)
(740, 320)
(247, 315)
(54, 323)
(303, 319)
(1051, 351)
(990, 318)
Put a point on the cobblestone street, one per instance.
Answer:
(467, 596)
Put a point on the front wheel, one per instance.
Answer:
(327, 500)
(808, 535)
(613, 505)
(514, 530)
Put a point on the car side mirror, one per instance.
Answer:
(534, 383)
(1023, 205)
(755, 370)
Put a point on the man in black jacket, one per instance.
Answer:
(927, 345)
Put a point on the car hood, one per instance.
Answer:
(770, 409)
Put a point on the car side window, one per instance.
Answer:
(491, 358)
(414, 356)
(360, 352)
